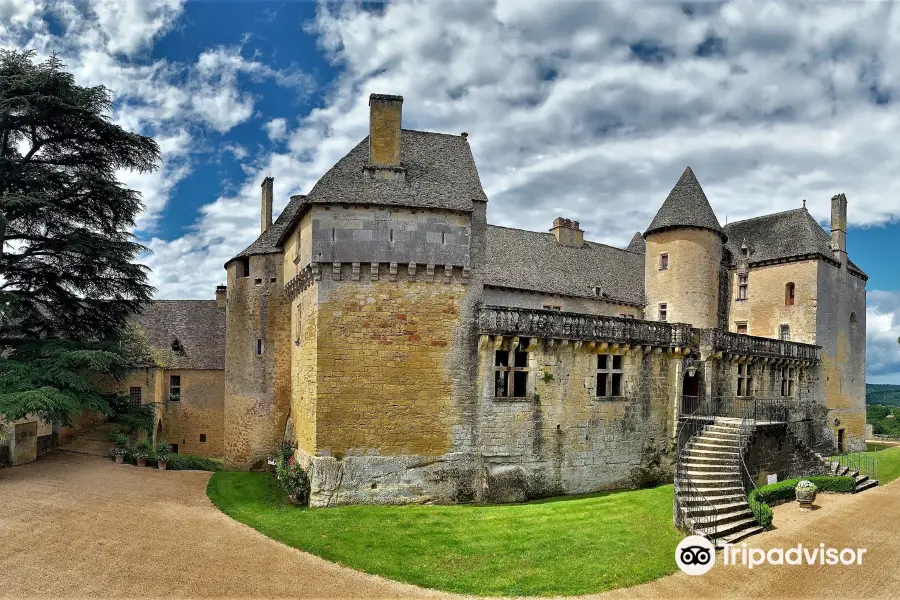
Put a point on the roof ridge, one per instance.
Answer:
(775, 214)
(547, 233)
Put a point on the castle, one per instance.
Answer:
(414, 353)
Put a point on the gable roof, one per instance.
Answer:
(534, 261)
(686, 206)
(781, 236)
(440, 173)
(199, 325)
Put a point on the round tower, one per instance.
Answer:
(683, 257)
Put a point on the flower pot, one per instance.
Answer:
(120, 458)
(162, 464)
(142, 462)
(805, 493)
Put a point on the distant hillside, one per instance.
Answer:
(883, 393)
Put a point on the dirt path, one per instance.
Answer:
(73, 525)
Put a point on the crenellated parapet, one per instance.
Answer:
(371, 272)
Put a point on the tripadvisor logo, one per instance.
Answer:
(695, 555)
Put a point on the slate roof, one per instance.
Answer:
(686, 206)
(197, 324)
(530, 260)
(440, 172)
(637, 244)
(779, 236)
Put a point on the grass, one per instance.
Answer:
(888, 462)
(573, 545)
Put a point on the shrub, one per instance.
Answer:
(291, 476)
(783, 491)
(143, 449)
(162, 451)
(187, 462)
(120, 440)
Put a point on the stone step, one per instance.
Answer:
(727, 529)
(714, 441)
(709, 492)
(721, 507)
(707, 447)
(720, 500)
(710, 483)
(724, 435)
(723, 428)
(865, 486)
(710, 475)
(737, 536)
(724, 518)
(715, 467)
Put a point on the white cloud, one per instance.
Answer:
(276, 129)
(883, 336)
(131, 25)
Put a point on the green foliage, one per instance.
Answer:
(883, 393)
(783, 491)
(162, 451)
(143, 449)
(291, 476)
(68, 268)
(134, 417)
(120, 440)
(56, 378)
(187, 462)
(555, 547)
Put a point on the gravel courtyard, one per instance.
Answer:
(74, 525)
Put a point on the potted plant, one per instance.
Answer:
(120, 440)
(143, 452)
(806, 494)
(162, 455)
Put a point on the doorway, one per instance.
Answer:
(840, 441)
(690, 393)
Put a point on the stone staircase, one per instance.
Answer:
(95, 442)
(711, 466)
(863, 482)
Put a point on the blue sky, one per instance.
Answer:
(588, 110)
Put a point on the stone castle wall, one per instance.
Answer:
(522, 299)
(765, 309)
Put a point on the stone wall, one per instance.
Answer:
(840, 295)
(257, 385)
(765, 309)
(25, 439)
(199, 412)
(690, 285)
(564, 439)
(773, 450)
(522, 299)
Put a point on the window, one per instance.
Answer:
(663, 312)
(443, 238)
(299, 323)
(175, 388)
(741, 327)
(257, 282)
(789, 294)
(552, 307)
(243, 267)
(742, 287)
(663, 261)
(598, 291)
(135, 393)
(744, 380)
(787, 381)
(259, 347)
(853, 321)
(173, 448)
(511, 372)
(609, 375)
(784, 332)
(202, 438)
(273, 280)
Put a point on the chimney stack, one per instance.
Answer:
(267, 203)
(568, 233)
(221, 295)
(839, 228)
(384, 130)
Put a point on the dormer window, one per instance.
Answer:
(177, 347)
(598, 291)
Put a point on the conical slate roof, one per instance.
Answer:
(686, 206)
(637, 244)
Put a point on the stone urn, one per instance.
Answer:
(120, 458)
(162, 464)
(142, 461)
(806, 494)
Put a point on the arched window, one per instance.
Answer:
(853, 321)
(789, 294)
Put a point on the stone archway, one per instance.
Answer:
(690, 387)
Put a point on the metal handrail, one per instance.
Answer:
(861, 462)
(706, 517)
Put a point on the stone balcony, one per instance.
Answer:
(733, 345)
(555, 325)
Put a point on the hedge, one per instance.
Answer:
(760, 499)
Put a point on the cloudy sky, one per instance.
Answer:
(585, 110)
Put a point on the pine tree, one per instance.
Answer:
(69, 280)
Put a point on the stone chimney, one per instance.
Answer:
(839, 228)
(384, 130)
(267, 203)
(568, 233)
(221, 294)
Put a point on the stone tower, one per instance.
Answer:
(257, 367)
(683, 258)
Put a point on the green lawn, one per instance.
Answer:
(888, 462)
(574, 545)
